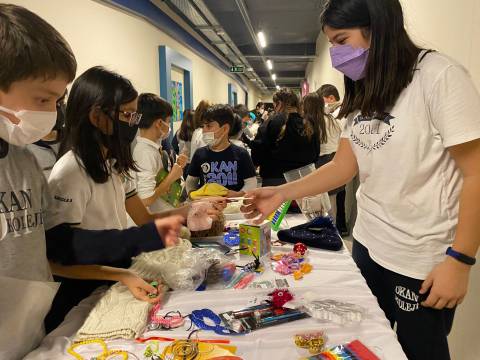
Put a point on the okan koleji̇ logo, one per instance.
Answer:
(205, 168)
(372, 132)
(406, 299)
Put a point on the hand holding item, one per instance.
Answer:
(139, 288)
(168, 228)
(182, 160)
(260, 203)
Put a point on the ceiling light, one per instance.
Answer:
(274, 77)
(261, 39)
(278, 87)
(269, 64)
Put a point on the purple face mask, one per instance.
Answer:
(349, 60)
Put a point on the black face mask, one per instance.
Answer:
(126, 133)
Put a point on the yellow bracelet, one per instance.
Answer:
(77, 356)
(110, 353)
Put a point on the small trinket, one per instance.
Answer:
(280, 297)
(300, 248)
(314, 342)
(297, 275)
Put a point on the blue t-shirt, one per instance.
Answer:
(228, 168)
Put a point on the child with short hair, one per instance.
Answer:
(147, 153)
(221, 161)
(37, 64)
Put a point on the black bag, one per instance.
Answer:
(319, 233)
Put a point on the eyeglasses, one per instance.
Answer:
(132, 117)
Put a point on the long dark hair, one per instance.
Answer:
(315, 117)
(104, 89)
(198, 117)
(289, 100)
(187, 127)
(392, 57)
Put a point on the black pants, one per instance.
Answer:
(421, 331)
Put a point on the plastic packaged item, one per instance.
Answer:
(354, 350)
(185, 268)
(216, 229)
(334, 311)
(311, 206)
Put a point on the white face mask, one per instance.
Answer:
(33, 126)
(208, 138)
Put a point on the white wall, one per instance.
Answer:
(454, 29)
(102, 35)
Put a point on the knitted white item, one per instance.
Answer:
(118, 314)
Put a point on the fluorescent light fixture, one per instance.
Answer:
(261, 39)
(269, 64)
(274, 77)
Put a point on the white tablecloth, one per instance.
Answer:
(334, 275)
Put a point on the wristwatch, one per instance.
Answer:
(461, 257)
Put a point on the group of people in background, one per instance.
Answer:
(411, 135)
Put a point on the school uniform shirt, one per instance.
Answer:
(197, 142)
(408, 199)
(229, 168)
(334, 129)
(81, 202)
(46, 155)
(149, 162)
(26, 283)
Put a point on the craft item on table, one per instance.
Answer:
(200, 317)
(232, 237)
(254, 266)
(228, 272)
(314, 342)
(277, 217)
(170, 320)
(211, 244)
(266, 284)
(242, 284)
(255, 239)
(279, 297)
(300, 248)
(291, 263)
(320, 233)
(236, 279)
(119, 315)
(190, 349)
(198, 218)
(334, 311)
(154, 294)
(259, 316)
(354, 350)
(216, 229)
(209, 190)
(104, 355)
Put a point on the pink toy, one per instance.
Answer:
(198, 218)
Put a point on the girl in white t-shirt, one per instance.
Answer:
(91, 184)
(413, 136)
(197, 136)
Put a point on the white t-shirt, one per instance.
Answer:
(334, 129)
(408, 198)
(197, 142)
(149, 162)
(83, 203)
(46, 156)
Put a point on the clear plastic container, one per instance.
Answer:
(311, 206)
